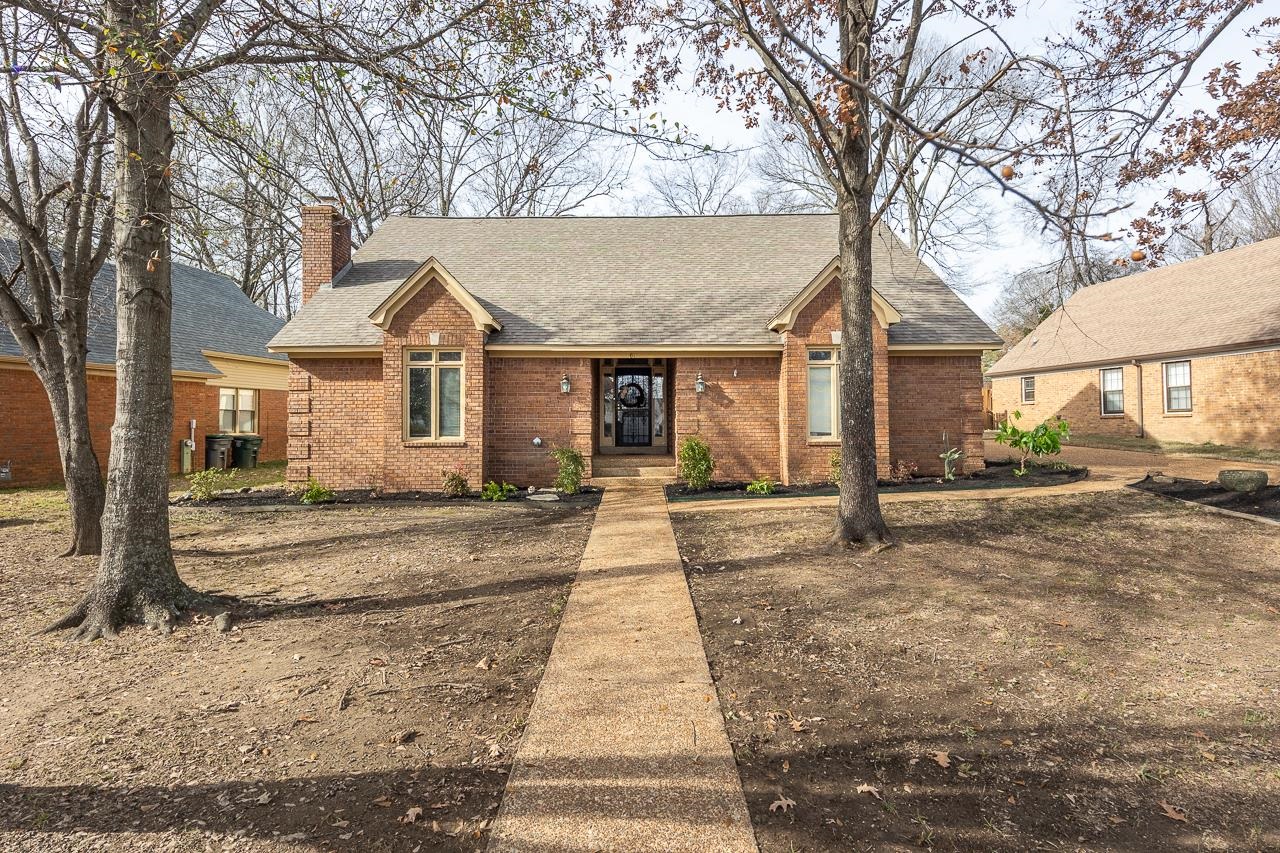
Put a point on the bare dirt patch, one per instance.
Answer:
(1091, 672)
(369, 698)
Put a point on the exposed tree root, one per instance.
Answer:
(101, 614)
(872, 542)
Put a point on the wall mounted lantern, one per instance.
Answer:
(699, 384)
(564, 384)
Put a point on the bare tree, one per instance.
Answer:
(795, 179)
(55, 207)
(696, 186)
(1242, 214)
(142, 57)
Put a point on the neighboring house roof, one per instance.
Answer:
(210, 314)
(625, 281)
(1223, 301)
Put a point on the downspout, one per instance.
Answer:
(1142, 417)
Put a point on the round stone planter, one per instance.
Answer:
(1242, 480)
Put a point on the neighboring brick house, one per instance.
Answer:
(224, 379)
(481, 344)
(1185, 353)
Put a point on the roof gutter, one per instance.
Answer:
(1226, 349)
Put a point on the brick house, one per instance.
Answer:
(1184, 353)
(481, 344)
(224, 379)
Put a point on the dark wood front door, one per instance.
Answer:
(633, 391)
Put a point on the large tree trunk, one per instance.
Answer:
(858, 521)
(137, 580)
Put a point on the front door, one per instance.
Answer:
(634, 396)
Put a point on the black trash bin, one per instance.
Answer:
(244, 451)
(217, 451)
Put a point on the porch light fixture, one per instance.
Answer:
(564, 383)
(699, 384)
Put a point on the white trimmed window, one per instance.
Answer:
(1177, 386)
(1111, 381)
(1028, 389)
(433, 395)
(824, 393)
(237, 410)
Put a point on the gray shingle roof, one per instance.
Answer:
(1224, 300)
(210, 312)
(626, 281)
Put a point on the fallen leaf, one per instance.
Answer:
(1208, 756)
(1200, 735)
(412, 815)
(377, 662)
(783, 803)
(786, 766)
(799, 726)
(486, 662)
(384, 801)
(943, 759)
(307, 719)
(870, 789)
(1006, 742)
(1173, 812)
(1272, 610)
(1062, 623)
(1116, 820)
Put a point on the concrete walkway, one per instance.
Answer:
(625, 747)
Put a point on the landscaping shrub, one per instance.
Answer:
(314, 493)
(206, 484)
(572, 467)
(695, 464)
(760, 487)
(1042, 440)
(902, 471)
(494, 492)
(455, 483)
(835, 462)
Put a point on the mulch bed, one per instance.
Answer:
(998, 474)
(1264, 503)
(1069, 673)
(278, 496)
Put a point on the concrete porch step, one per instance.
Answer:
(655, 468)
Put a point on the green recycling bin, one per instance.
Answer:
(244, 451)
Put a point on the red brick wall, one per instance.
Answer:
(525, 401)
(335, 422)
(737, 415)
(930, 395)
(1235, 401)
(414, 463)
(810, 461)
(27, 435)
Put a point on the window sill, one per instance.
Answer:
(433, 442)
(1178, 414)
(824, 442)
(1114, 415)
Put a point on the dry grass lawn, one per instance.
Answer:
(381, 668)
(1094, 672)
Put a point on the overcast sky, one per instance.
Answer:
(1015, 244)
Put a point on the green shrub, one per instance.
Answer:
(695, 464)
(206, 484)
(493, 492)
(836, 463)
(314, 493)
(1042, 440)
(455, 483)
(949, 459)
(760, 486)
(572, 467)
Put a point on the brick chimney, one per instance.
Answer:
(326, 245)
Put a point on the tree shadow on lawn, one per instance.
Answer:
(1055, 778)
(1014, 788)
